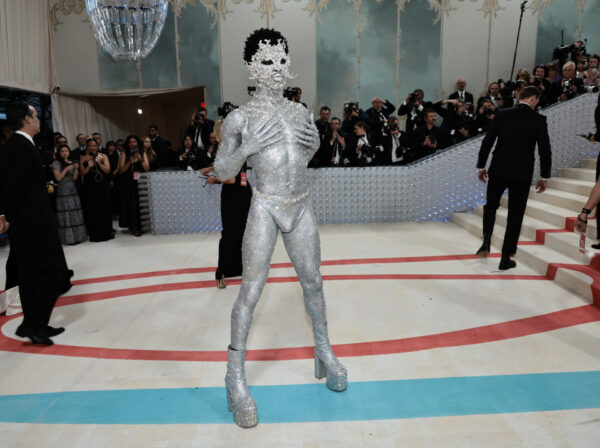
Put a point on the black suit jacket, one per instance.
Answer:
(517, 130)
(24, 193)
(468, 96)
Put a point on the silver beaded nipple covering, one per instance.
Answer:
(278, 138)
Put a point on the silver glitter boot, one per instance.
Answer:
(239, 400)
(326, 363)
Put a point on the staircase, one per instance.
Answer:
(548, 244)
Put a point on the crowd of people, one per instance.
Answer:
(373, 136)
(92, 184)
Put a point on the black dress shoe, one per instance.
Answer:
(484, 250)
(53, 331)
(36, 336)
(507, 263)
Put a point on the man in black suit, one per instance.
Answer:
(413, 107)
(428, 138)
(40, 261)
(461, 93)
(200, 128)
(379, 115)
(517, 130)
(81, 148)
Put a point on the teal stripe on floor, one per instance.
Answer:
(375, 400)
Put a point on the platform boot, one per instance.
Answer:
(326, 363)
(239, 399)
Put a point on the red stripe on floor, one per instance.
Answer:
(488, 333)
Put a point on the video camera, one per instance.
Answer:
(568, 52)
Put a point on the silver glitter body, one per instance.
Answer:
(278, 138)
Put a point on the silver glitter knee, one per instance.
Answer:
(239, 399)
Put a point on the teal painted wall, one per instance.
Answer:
(337, 49)
(563, 15)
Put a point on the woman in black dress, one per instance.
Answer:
(95, 170)
(132, 162)
(236, 196)
(113, 158)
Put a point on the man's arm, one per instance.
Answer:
(488, 143)
(388, 108)
(15, 180)
(543, 141)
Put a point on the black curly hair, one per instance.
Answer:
(270, 35)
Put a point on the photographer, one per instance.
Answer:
(95, 170)
(165, 157)
(293, 94)
(414, 107)
(379, 114)
(396, 145)
(322, 125)
(365, 154)
(484, 118)
(132, 162)
(200, 128)
(428, 138)
(591, 80)
(457, 124)
(567, 87)
(493, 95)
(188, 157)
(333, 150)
(352, 115)
(539, 80)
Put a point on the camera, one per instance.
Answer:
(350, 107)
(506, 88)
(488, 111)
(198, 116)
(536, 81)
(135, 151)
(290, 92)
(568, 90)
(393, 127)
(226, 109)
(433, 139)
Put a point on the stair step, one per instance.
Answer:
(576, 186)
(536, 257)
(589, 163)
(559, 198)
(529, 227)
(566, 243)
(551, 214)
(586, 174)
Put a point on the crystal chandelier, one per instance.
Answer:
(127, 29)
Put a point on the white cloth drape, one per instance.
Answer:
(25, 60)
(72, 115)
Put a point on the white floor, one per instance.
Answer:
(446, 296)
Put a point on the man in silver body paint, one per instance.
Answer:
(278, 138)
